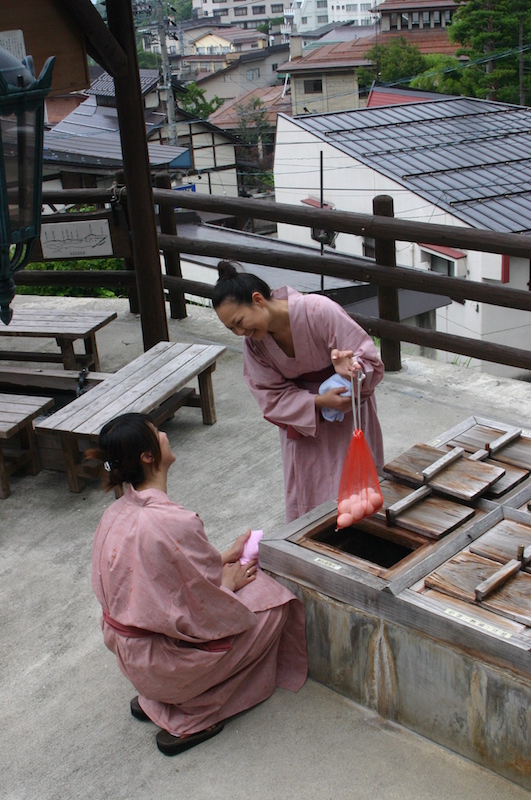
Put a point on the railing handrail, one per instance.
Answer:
(480, 240)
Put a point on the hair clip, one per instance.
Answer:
(107, 466)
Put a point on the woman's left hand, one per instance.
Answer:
(344, 363)
(235, 575)
(235, 550)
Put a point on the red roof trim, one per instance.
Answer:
(445, 251)
(309, 201)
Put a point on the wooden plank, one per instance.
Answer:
(460, 576)
(429, 472)
(513, 476)
(477, 617)
(48, 378)
(76, 412)
(429, 516)
(501, 542)
(28, 322)
(505, 439)
(463, 479)
(444, 549)
(498, 579)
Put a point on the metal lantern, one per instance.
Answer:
(21, 134)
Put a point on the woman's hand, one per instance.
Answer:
(344, 363)
(334, 398)
(235, 576)
(235, 550)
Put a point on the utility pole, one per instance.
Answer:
(166, 75)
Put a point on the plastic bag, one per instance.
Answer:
(359, 488)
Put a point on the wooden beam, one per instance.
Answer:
(104, 47)
(140, 207)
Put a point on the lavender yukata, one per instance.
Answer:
(313, 450)
(195, 651)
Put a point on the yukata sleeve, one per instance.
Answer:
(281, 401)
(340, 331)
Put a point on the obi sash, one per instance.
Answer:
(307, 377)
(217, 646)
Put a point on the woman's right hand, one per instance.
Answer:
(235, 576)
(334, 398)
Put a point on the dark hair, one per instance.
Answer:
(120, 446)
(237, 286)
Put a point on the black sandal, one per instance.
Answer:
(173, 745)
(137, 711)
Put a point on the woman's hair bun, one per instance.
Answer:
(227, 270)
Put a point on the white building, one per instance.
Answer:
(459, 161)
(307, 15)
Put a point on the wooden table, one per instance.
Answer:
(16, 415)
(65, 328)
(154, 384)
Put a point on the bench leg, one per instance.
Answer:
(72, 459)
(27, 441)
(67, 351)
(5, 489)
(206, 394)
(92, 351)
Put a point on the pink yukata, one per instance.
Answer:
(195, 651)
(313, 450)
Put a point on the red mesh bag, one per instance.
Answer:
(359, 488)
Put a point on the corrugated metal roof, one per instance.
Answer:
(471, 157)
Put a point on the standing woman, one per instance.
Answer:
(199, 636)
(292, 344)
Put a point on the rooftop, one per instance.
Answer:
(228, 116)
(469, 156)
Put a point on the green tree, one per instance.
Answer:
(193, 101)
(490, 32)
(446, 74)
(147, 59)
(257, 137)
(392, 62)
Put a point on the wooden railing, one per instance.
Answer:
(384, 229)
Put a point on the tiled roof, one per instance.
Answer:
(352, 54)
(103, 86)
(415, 5)
(471, 157)
(228, 116)
(387, 96)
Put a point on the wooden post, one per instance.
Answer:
(137, 172)
(171, 258)
(129, 264)
(385, 254)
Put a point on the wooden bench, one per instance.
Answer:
(65, 328)
(154, 384)
(16, 415)
(48, 378)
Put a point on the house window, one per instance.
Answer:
(227, 79)
(322, 3)
(274, 67)
(415, 19)
(443, 266)
(447, 17)
(369, 248)
(258, 10)
(404, 21)
(254, 45)
(351, 7)
(277, 8)
(425, 19)
(252, 74)
(240, 12)
(365, 6)
(394, 22)
(313, 87)
(436, 19)
(323, 18)
(221, 12)
(304, 20)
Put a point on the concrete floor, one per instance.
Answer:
(66, 729)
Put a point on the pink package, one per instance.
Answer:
(250, 550)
